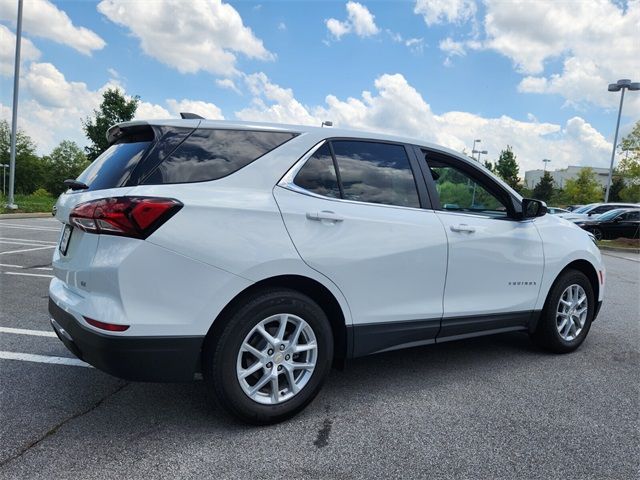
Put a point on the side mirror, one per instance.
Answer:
(533, 208)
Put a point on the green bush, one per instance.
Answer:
(41, 192)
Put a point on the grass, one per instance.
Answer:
(29, 204)
(630, 243)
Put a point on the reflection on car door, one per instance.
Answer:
(495, 263)
(368, 234)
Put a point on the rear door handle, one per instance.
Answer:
(463, 227)
(324, 215)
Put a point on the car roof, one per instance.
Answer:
(281, 127)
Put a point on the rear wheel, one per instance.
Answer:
(567, 315)
(271, 358)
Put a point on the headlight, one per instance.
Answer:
(592, 237)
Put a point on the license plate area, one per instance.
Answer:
(65, 238)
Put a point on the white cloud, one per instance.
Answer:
(282, 26)
(273, 103)
(359, 21)
(43, 19)
(188, 36)
(28, 51)
(597, 42)
(52, 107)
(227, 83)
(415, 45)
(441, 11)
(452, 48)
(397, 107)
(204, 109)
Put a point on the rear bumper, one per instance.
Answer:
(145, 359)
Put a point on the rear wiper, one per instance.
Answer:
(75, 185)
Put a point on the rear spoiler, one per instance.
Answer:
(141, 129)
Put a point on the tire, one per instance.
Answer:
(597, 233)
(551, 333)
(224, 363)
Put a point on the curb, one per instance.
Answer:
(620, 249)
(24, 215)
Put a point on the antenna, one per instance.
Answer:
(188, 115)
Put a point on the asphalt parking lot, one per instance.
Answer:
(485, 408)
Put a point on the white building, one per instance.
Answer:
(532, 177)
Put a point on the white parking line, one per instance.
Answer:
(44, 242)
(28, 227)
(29, 357)
(7, 265)
(23, 274)
(25, 244)
(27, 250)
(22, 331)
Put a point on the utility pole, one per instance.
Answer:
(14, 119)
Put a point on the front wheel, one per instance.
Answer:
(567, 315)
(597, 233)
(271, 358)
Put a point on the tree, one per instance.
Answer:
(629, 166)
(544, 188)
(584, 188)
(617, 185)
(29, 167)
(507, 168)
(67, 160)
(115, 108)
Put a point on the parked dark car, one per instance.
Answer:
(618, 223)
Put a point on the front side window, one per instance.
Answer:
(209, 154)
(602, 209)
(630, 216)
(458, 191)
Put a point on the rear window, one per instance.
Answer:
(319, 174)
(212, 154)
(113, 167)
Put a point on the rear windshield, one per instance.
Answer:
(212, 154)
(113, 167)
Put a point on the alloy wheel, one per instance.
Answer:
(571, 313)
(277, 359)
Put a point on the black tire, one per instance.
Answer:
(546, 334)
(598, 233)
(220, 355)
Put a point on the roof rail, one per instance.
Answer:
(187, 115)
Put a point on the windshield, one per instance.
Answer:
(584, 209)
(610, 214)
(113, 167)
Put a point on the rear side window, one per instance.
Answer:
(375, 173)
(113, 167)
(211, 154)
(319, 174)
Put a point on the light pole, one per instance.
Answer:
(4, 177)
(14, 119)
(479, 152)
(474, 146)
(545, 160)
(620, 85)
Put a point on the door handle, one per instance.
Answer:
(463, 227)
(324, 215)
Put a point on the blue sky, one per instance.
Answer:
(531, 74)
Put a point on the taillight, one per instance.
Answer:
(136, 217)
(111, 327)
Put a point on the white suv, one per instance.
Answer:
(257, 255)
